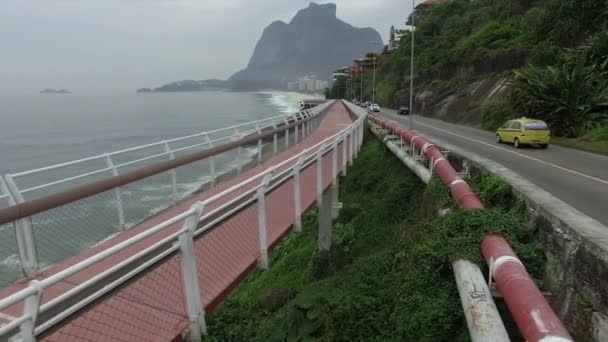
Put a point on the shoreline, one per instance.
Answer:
(292, 97)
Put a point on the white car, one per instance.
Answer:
(374, 107)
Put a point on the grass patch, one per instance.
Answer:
(600, 147)
(388, 276)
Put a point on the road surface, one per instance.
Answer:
(576, 177)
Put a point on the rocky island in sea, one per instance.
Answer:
(186, 85)
(55, 91)
(287, 51)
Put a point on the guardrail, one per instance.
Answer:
(534, 317)
(113, 192)
(36, 317)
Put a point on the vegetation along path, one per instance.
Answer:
(388, 276)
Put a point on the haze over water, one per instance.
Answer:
(42, 130)
(39, 130)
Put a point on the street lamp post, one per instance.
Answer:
(361, 79)
(374, 77)
(412, 68)
(374, 82)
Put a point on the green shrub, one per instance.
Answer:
(495, 112)
(598, 134)
(544, 54)
(572, 98)
(398, 284)
(493, 191)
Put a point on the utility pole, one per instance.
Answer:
(374, 77)
(374, 82)
(361, 79)
(412, 67)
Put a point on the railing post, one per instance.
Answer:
(118, 194)
(308, 125)
(239, 164)
(167, 149)
(320, 174)
(192, 295)
(286, 134)
(211, 160)
(335, 182)
(31, 308)
(295, 129)
(344, 153)
(362, 124)
(257, 128)
(274, 140)
(24, 232)
(263, 232)
(297, 197)
(351, 153)
(356, 142)
(325, 219)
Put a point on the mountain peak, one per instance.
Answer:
(315, 11)
(315, 42)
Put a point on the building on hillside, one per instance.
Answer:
(342, 72)
(361, 66)
(393, 43)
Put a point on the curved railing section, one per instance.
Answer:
(218, 227)
(533, 315)
(55, 212)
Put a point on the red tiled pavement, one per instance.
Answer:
(151, 308)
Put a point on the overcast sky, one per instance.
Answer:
(120, 45)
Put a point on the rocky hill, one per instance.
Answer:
(185, 86)
(314, 42)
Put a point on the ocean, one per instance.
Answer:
(42, 130)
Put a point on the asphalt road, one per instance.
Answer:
(576, 177)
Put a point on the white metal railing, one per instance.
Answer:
(165, 150)
(194, 223)
(44, 239)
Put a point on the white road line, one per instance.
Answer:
(603, 181)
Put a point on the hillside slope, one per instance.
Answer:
(467, 52)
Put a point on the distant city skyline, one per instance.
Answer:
(310, 83)
(117, 45)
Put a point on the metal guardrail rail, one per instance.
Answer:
(107, 193)
(36, 318)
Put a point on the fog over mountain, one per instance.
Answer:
(93, 46)
(314, 42)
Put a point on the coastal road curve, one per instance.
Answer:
(578, 178)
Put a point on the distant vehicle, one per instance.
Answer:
(524, 131)
(374, 107)
(404, 111)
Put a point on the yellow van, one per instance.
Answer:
(524, 131)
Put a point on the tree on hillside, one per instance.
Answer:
(572, 98)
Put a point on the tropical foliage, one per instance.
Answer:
(572, 97)
(561, 46)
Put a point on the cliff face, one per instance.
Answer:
(314, 42)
